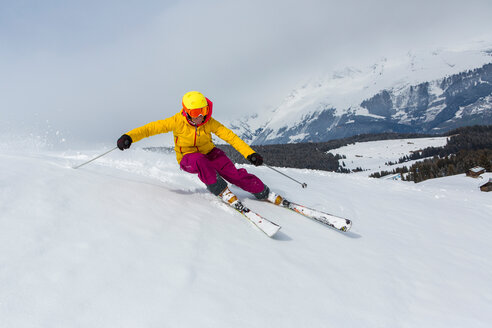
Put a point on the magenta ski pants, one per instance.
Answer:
(216, 162)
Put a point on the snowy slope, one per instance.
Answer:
(371, 156)
(131, 241)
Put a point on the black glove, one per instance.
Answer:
(124, 142)
(255, 159)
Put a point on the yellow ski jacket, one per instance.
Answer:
(189, 138)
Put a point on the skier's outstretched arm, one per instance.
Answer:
(148, 130)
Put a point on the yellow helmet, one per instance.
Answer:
(193, 100)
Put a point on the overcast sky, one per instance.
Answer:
(96, 69)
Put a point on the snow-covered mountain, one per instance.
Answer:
(420, 92)
(132, 241)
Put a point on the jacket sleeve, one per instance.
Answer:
(152, 128)
(230, 137)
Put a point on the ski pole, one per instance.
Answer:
(303, 184)
(76, 167)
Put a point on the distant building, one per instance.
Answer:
(392, 177)
(487, 186)
(475, 172)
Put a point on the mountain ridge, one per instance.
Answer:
(433, 94)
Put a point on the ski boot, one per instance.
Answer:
(277, 199)
(228, 197)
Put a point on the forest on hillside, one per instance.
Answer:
(311, 155)
(466, 148)
(305, 155)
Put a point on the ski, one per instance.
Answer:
(268, 227)
(333, 221)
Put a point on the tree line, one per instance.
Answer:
(311, 155)
(466, 147)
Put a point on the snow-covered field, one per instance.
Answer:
(131, 241)
(372, 155)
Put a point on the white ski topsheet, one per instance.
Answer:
(322, 217)
(268, 227)
(265, 225)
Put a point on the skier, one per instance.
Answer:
(195, 152)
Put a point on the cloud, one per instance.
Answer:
(98, 69)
